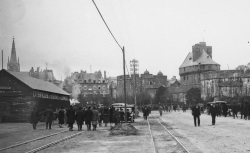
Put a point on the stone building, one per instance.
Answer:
(46, 75)
(226, 83)
(147, 82)
(13, 63)
(89, 84)
(198, 61)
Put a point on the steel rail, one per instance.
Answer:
(151, 136)
(54, 143)
(172, 135)
(39, 138)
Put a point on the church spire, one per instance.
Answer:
(13, 51)
(13, 63)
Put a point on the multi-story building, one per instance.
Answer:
(13, 63)
(225, 83)
(198, 61)
(145, 83)
(89, 84)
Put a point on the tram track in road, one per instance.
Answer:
(40, 143)
(162, 139)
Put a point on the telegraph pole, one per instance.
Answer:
(2, 59)
(124, 76)
(134, 68)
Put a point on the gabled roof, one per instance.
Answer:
(203, 59)
(37, 84)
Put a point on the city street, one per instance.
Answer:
(228, 135)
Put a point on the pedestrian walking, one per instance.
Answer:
(34, 117)
(213, 111)
(235, 110)
(88, 118)
(160, 110)
(61, 117)
(48, 117)
(111, 114)
(71, 117)
(105, 115)
(79, 118)
(145, 111)
(196, 114)
(95, 118)
(121, 114)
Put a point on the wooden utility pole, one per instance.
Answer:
(124, 76)
(2, 59)
(133, 69)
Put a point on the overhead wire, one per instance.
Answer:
(106, 25)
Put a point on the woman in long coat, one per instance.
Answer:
(88, 118)
(61, 117)
(95, 118)
(34, 117)
(79, 118)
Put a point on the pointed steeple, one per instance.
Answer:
(13, 64)
(13, 51)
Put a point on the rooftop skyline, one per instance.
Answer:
(70, 35)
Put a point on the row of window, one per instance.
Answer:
(94, 88)
(92, 81)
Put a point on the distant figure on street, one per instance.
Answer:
(160, 110)
(213, 111)
(196, 114)
(34, 117)
(61, 117)
(105, 115)
(49, 117)
(88, 118)
(224, 110)
(145, 112)
(79, 118)
(71, 117)
(235, 110)
(95, 118)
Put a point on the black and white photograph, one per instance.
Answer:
(124, 76)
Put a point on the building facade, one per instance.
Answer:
(226, 83)
(89, 84)
(198, 61)
(147, 82)
(19, 94)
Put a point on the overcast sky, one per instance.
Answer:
(70, 36)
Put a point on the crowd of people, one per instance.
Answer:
(90, 116)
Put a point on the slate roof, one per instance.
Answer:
(204, 59)
(38, 84)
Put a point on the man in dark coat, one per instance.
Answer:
(213, 112)
(196, 114)
(34, 117)
(224, 109)
(88, 118)
(145, 112)
(61, 117)
(235, 110)
(79, 118)
(111, 115)
(71, 117)
(105, 115)
(49, 117)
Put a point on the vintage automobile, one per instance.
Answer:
(130, 110)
